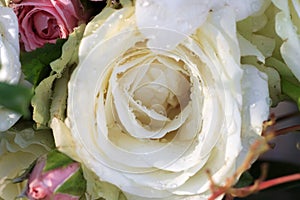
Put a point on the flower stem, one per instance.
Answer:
(287, 130)
(276, 181)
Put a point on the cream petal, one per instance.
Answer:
(156, 19)
(285, 29)
(256, 107)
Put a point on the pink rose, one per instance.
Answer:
(47, 184)
(44, 21)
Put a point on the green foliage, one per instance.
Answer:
(36, 64)
(292, 90)
(74, 185)
(245, 180)
(56, 159)
(16, 98)
(41, 101)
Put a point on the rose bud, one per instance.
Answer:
(55, 176)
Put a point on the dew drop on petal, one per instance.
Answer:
(269, 101)
(255, 6)
(144, 3)
(139, 102)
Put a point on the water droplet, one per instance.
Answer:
(120, 16)
(193, 54)
(269, 101)
(257, 129)
(139, 102)
(253, 105)
(256, 6)
(145, 3)
(164, 140)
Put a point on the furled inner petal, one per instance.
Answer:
(45, 25)
(155, 96)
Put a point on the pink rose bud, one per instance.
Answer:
(55, 177)
(44, 21)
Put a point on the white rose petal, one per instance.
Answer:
(178, 16)
(10, 67)
(151, 119)
(287, 28)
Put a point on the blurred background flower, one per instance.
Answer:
(55, 176)
(45, 21)
(10, 66)
(19, 147)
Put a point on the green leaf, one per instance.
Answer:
(246, 179)
(16, 98)
(69, 55)
(35, 64)
(282, 69)
(292, 90)
(41, 101)
(56, 159)
(74, 185)
(59, 97)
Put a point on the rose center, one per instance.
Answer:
(46, 25)
(156, 94)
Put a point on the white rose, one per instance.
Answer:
(287, 27)
(10, 67)
(152, 106)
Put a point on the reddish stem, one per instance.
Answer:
(245, 191)
(276, 181)
(216, 194)
(287, 130)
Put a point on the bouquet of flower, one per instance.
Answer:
(143, 99)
